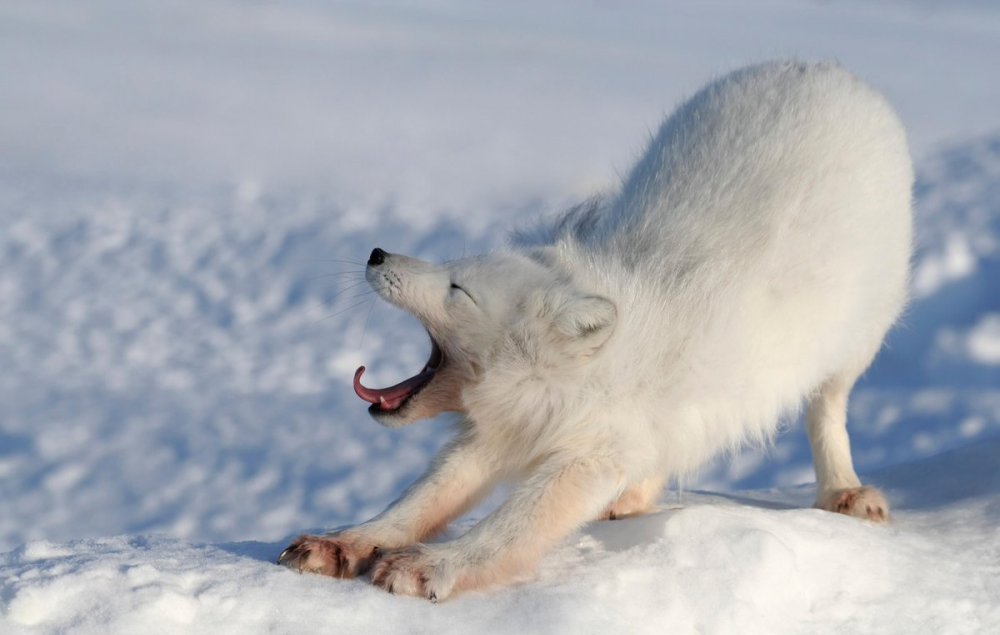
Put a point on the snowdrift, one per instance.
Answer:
(751, 562)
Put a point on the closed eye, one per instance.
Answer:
(455, 287)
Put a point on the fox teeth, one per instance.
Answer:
(381, 401)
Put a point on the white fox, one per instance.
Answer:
(752, 261)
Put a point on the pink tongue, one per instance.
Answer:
(390, 398)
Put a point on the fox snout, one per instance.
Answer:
(419, 288)
(409, 283)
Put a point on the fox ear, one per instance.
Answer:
(586, 322)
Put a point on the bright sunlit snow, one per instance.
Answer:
(188, 192)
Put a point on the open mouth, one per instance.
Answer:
(394, 398)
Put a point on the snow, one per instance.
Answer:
(984, 340)
(754, 562)
(188, 191)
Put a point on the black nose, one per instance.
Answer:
(377, 257)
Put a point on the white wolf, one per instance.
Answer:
(753, 259)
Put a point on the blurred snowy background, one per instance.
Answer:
(188, 190)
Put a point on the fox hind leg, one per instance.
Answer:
(838, 487)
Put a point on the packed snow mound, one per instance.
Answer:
(756, 562)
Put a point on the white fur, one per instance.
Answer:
(753, 259)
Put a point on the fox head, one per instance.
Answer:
(503, 314)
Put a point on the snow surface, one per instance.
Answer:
(188, 191)
(720, 563)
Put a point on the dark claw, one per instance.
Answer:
(289, 554)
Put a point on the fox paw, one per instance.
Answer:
(861, 502)
(636, 500)
(335, 556)
(415, 571)
(625, 507)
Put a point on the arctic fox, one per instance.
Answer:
(752, 261)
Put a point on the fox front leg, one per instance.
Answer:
(458, 478)
(558, 498)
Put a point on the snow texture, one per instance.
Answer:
(720, 563)
(187, 194)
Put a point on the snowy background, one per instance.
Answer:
(188, 191)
